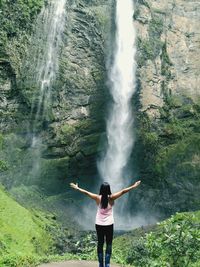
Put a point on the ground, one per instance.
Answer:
(74, 264)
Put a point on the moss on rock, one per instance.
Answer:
(170, 155)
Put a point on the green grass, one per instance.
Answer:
(22, 232)
(27, 239)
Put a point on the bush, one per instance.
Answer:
(172, 243)
(177, 243)
(18, 15)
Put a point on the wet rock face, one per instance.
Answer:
(79, 98)
(168, 43)
(168, 67)
(77, 112)
(168, 81)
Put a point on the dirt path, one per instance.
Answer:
(74, 264)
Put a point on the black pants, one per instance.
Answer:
(104, 231)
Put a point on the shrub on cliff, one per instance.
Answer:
(18, 15)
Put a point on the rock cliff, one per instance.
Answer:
(71, 135)
(168, 117)
(168, 42)
(167, 99)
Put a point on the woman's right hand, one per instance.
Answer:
(137, 183)
(74, 186)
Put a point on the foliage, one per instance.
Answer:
(17, 20)
(151, 47)
(85, 250)
(101, 13)
(174, 243)
(1, 141)
(18, 15)
(169, 154)
(177, 243)
(176, 155)
(31, 260)
(144, 2)
(165, 63)
(156, 26)
(67, 134)
(146, 48)
(86, 247)
(67, 129)
(3, 165)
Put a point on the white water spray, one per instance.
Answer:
(49, 36)
(44, 58)
(122, 86)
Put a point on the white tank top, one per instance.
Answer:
(104, 216)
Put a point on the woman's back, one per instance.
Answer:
(105, 216)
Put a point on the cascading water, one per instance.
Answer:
(44, 57)
(52, 19)
(122, 86)
(120, 132)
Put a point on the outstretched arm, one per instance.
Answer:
(124, 191)
(89, 194)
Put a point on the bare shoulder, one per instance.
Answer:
(98, 200)
(111, 201)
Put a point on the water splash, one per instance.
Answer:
(122, 86)
(41, 72)
(48, 39)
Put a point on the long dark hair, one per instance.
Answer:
(104, 192)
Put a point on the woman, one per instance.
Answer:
(104, 217)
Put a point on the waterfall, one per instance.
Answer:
(120, 134)
(41, 70)
(48, 39)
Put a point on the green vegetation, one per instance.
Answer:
(34, 260)
(144, 2)
(149, 49)
(67, 129)
(18, 15)
(89, 144)
(17, 20)
(67, 134)
(102, 16)
(3, 165)
(22, 232)
(165, 63)
(155, 26)
(27, 240)
(169, 159)
(174, 242)
(169, 154)
(177, 242)
(30, 237)
(1, 141)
